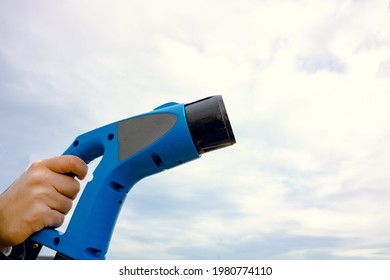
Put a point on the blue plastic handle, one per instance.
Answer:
(131, 149)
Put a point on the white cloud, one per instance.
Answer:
(306, 86)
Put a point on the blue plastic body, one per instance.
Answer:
(89, 231)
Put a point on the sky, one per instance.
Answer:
(306, 85)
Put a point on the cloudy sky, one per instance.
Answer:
(307, 89)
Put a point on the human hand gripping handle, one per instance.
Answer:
(39, 198)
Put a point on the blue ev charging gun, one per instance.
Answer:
(131, 149)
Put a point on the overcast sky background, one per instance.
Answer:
(307, 89)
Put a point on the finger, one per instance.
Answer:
(61, 203)
(54, 219)
(67, 164)
(56, 201)
(65, 185)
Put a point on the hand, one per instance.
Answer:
(40, 198)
